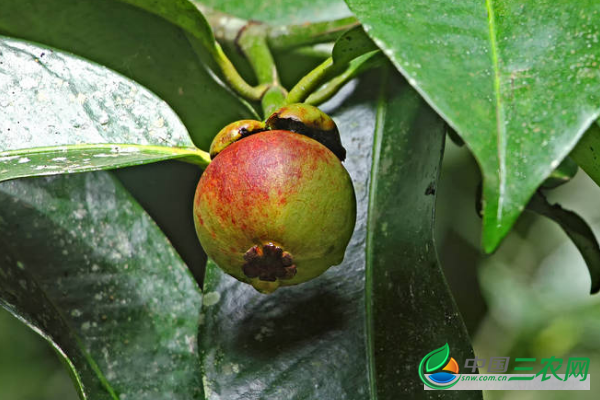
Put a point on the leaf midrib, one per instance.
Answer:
(500, 126)
(189, 154)
(369, 328)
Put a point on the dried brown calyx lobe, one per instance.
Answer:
(308, 121)
(268, 262)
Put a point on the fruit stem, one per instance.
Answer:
(252, 41)
(318, 51)
(226, 28)
(231, 75)
(310, 82)
(287, 37)
(255, 40)
(273, 99)
(236, 81)
(310, 88)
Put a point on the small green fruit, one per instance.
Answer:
(274, 209)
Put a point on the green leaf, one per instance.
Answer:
(578, 231)
(517, 80)
(137, 44)
(410, 310)
(84, 266)
(182, 13)
(352, 44)
(62, 114)
(282, 12)
(339, 336)
(587, 153)
(437, 358)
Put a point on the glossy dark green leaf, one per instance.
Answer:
(341, 336)
(587, 153)
(578, 231)
(282, 12)
(139, 45)
(410, 310)
(62, 114)
(84, 266)
(517, 80)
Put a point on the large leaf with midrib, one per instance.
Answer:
(517, 80)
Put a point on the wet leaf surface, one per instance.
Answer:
(62, 114)
(137, 44)
(83, 265)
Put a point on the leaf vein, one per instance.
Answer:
(500, 124)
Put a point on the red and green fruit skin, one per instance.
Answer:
(275, 187)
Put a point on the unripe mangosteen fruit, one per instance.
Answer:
(275, 208)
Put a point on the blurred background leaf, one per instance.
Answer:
(29, 368)
(531, 298)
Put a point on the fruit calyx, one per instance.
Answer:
(308, 121)
(299, 118)
(268, 262)
(234, 132)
